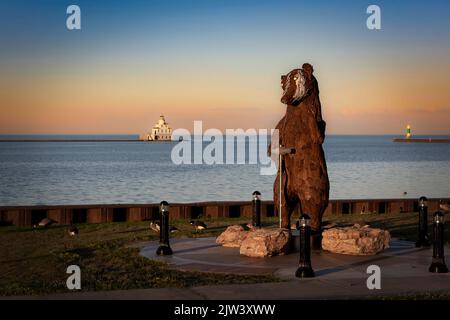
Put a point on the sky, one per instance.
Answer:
(220, 61)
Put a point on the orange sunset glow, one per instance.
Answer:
(229, 77)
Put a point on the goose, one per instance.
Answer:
(155, 226)
(46, 222)
(198, 225)
(73, 230)
(173, 229)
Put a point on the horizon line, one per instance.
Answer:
(139, 134)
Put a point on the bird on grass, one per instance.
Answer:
(173, 229)
(46, 222)
(73, 230)
(198, 225)
(155, 226)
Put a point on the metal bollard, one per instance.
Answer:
(256, 206)
(304, 269)
(164, 246)
(438, 263)
(423, 238)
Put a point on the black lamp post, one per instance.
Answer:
(256, 206)
(438, 263)
(423, 223)
(304, 267)
(164, 247)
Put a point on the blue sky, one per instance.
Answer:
(249, 43)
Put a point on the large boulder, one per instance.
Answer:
(355, 240)
(261, 243)
(232, 237)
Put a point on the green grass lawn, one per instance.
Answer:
(34, 261)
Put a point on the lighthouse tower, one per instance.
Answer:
(408, 131)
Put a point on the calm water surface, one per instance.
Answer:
(135, 172)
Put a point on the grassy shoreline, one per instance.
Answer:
(34, 261)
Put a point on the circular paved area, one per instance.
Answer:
(404, 270)
(402, 259)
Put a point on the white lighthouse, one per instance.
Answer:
(161, 131)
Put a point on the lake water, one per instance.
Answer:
(35, 173)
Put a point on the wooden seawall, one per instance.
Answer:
(63, 214)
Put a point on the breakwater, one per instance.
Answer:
(31, 215)
(423, 140)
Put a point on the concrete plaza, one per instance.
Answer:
(404, 271)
